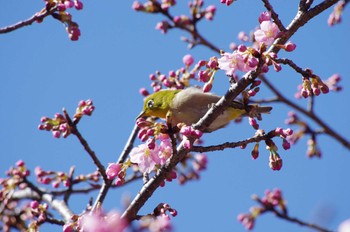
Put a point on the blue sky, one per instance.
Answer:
(43, 71)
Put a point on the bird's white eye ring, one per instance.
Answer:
(150, 104)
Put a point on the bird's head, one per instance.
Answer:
(158, 104)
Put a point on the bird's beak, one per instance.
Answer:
(141, 115)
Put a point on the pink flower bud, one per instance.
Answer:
(20, 163)
(56, 134)
(285, 144)
(213, 63)
(242, 48)
(112, 170)
(188, 60)
(289, 46)
(144, 92)
(69, 4)
(152, 77)
(34, 204)
(61, 7)
(264, 16)
(207, 87)
(78, 5)
(253, 123)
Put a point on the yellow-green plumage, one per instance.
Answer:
(189, 105)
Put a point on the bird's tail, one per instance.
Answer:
(253, 111)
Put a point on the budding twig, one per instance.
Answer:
(122, 157)
(38, 16)
(245, 142)
(86, 146)
(309, 114)
(274, 15)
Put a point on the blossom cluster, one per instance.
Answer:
(39, 211)
(13, 212)
(157, 149)
(312, 145)
(117, 172)
(312, 86)
(148, 158)
(14, 180)
(97, 221)
(59, 125)
(275, 161)
(52, 177)
(335, 16)
(182, 21)
(271, 201)
(246, 59)
(193, 170)
(65, 17)
(159, 220)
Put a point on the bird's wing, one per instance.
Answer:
(191, 104)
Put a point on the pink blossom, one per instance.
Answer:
(267, 33)
(200, 162)
(145, 158)
(98, 222)
(242, 36)
(344, 226)
(165, 151)
(112, 170)
(229, 62)
(161, 223)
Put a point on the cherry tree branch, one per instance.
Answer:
(38, 16)
(59, 205)
(274, 15)
(236, 88)
(122, 157)
(286, 217)
(192, 30)
(86, 146)
(328, 130)
(226, 145)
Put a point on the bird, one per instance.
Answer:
(189, 105)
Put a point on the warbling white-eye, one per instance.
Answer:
(189, 105)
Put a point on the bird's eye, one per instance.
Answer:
(150, 104)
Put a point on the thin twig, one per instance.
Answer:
(147, 190)
(197, 37)
(311, 115)
(245, 142)
(303, 72)
(286, 217)
(274, 15)
(38, 16)
(122, 157)
(86, 146)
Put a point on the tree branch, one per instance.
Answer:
(38, 16)
(122, 157)
(245, 142)
(309, 114)
(235, 89)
